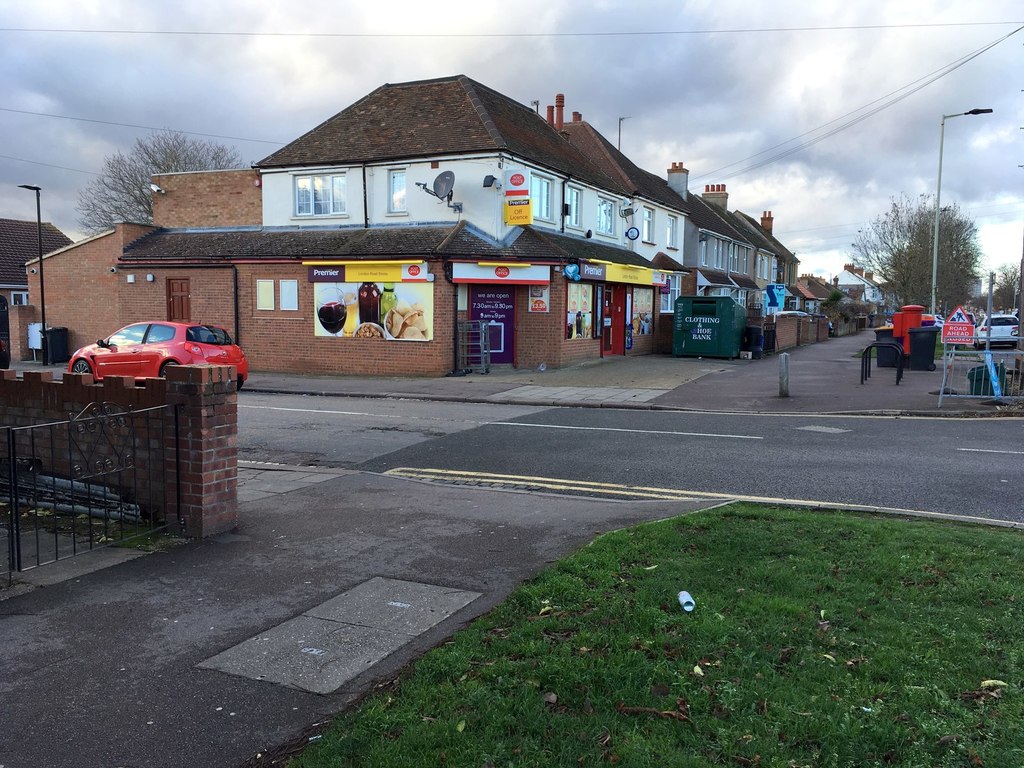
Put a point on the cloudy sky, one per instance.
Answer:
(819, 114)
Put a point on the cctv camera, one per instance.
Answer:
(33, 270)
(113, 269)
(156, 188)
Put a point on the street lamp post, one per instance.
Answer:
(938, 192)
(42, 283)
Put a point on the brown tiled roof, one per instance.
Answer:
(19, 243)
(644, 183)
(776, 247)
(744, 281)
(706, 216)
(716, 277)
(667, 263)
(205, 246)
(217, 245)
(817, 288)
(447, 116)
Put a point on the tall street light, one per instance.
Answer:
(42, 284)
(938, 192)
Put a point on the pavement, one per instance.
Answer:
(237, 649)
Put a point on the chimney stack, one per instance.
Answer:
(679, 179)
(766, 221)
(577, 117)
(716, 195)
(870, 276)
(559, 109)
(551, 115)
(849, 268)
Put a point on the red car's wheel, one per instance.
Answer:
(81, 366)
(165, 366)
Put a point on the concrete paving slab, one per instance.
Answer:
(339, 639)
(309, 654)
(398, 606)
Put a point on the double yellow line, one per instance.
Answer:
(547, 483)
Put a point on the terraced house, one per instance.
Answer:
(422, 224)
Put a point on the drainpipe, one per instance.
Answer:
(366, 205)
(561, 216)
(238, 327)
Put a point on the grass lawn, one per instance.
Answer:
(818, 639)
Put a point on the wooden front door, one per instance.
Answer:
(179, 300)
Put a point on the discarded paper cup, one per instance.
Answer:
(685, 601)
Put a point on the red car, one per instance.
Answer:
(144, 350)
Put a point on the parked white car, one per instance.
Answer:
(1005, 331)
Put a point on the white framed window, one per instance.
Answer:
(540, 194)
(264, 294)
(672, 232)
(19, 298)
(647, 233)
(396, 191)
(320, 195)
(668, 300)
(573, 196)
(290, 294)
(704, 252)
(605, 216)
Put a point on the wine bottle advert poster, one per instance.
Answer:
(385, 311)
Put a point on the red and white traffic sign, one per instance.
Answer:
(958, 328)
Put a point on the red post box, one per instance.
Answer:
(909, 316)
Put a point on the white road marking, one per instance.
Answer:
(990, 450)
(500, 423)
(825, 430)
(619, 429)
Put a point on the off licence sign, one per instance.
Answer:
(958, 328)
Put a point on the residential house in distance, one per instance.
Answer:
(19, 251)
(815, 292)
(862, 286)
(19, 244)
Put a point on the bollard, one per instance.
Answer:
(784, 374)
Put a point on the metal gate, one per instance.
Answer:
(105, 476)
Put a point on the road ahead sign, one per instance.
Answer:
(958, 328)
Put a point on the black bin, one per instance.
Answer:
(922, 348)
(887, 356)
(56, 346)
(755, 341)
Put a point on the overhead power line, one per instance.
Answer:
(133, 125)
(856, 116)
(374, 35)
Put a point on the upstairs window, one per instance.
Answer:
(648, 225)
(572, 199)
(605, 216)
(396, 191)
(672, 232)
(540, 193)
(319, 195)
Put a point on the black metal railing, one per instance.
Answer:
(105, 476)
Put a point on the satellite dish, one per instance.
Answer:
(444, 184)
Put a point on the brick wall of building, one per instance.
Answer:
(81, 290)
(208, 199)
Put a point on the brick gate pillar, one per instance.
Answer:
(208, 438)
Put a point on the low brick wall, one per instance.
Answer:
(207, 424)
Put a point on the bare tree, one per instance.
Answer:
(122, 193)
(1004, 294)
(897, 246)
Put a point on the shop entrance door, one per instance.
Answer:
(613, 332)
(496, 306)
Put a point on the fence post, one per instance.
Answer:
(784, 374)
(208, 445)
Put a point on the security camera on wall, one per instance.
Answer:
(113, 269)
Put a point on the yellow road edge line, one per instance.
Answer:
(694, 495)
(664, 495)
